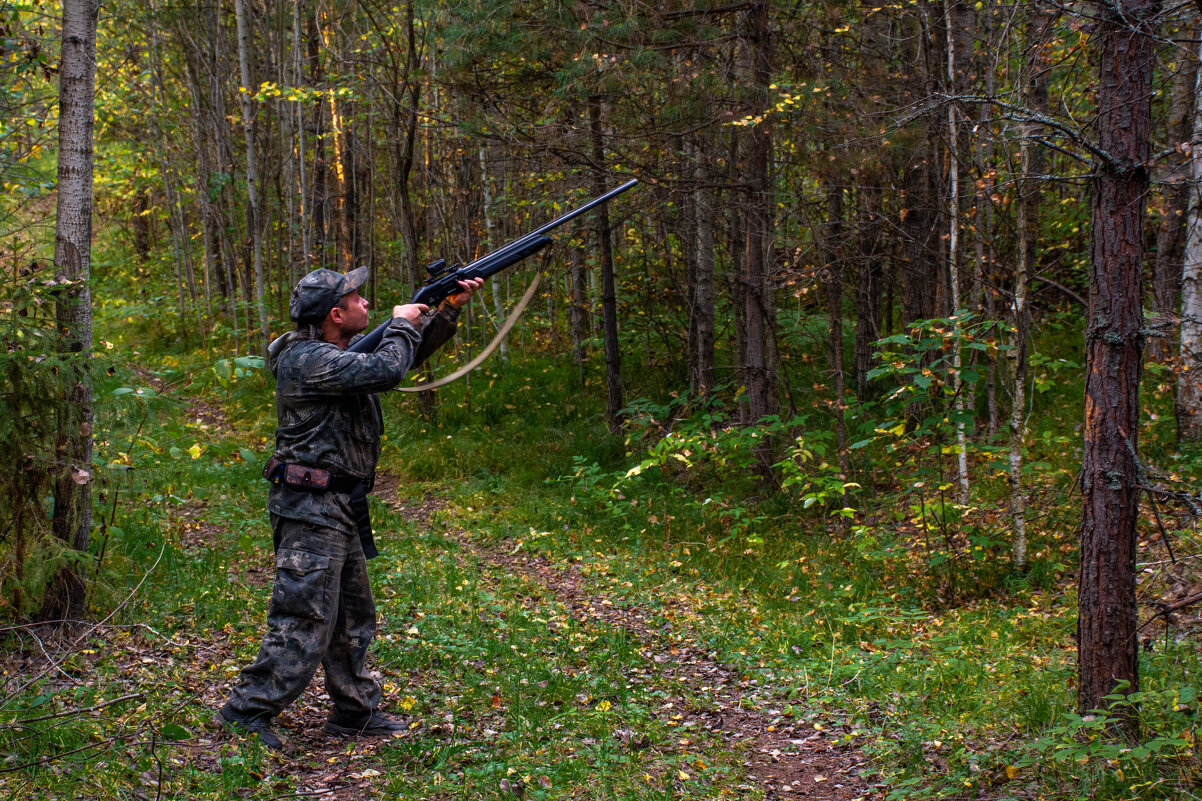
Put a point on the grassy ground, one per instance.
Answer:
(552, 626)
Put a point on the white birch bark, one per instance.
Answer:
(490, 243)
(1189, 379)
(1018, 411)
(953, 255)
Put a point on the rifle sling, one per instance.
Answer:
(484, 354)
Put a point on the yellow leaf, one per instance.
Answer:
(683, 776)
(1011, 771)
(195, 450)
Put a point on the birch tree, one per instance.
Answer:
(1031, 162)
(1189, 379)
(65, 598)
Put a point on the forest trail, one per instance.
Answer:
(788, 758)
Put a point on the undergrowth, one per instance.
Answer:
(869, 597)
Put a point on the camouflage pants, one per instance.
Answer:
(321, 613)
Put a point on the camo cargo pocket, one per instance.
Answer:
(301, 582)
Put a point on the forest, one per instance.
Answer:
(852, 453)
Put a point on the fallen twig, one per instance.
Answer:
(67, 712)
(1167, 609)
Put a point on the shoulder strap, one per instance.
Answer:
(484, 354)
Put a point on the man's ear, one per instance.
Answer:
(335, 315)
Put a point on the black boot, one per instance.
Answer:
(374, 725)
(259, 725)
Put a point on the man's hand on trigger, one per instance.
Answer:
(469, 287)
(411, 311)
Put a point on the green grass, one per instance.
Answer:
(954, 675)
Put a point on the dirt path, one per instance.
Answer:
(789, 758)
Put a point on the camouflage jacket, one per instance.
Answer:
(329, 414)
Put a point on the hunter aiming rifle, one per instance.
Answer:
(444, 280)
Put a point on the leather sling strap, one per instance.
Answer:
(484, 354)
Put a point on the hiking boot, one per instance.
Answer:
(259, 726)
(374, 725)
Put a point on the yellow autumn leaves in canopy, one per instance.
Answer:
(787, 100)
(270, 90)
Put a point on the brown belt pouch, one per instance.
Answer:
(273, 471)
(298, 476)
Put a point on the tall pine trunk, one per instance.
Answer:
(1106, 629)
(758, 312)
(701, 306)
(834, 306)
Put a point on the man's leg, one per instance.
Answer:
(354, 692)
(300, 621)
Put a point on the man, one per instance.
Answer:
(327, 446)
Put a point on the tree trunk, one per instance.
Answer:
(579, 307)
(758, 312)
(184, 276)
(921, 283)
(1166, 266)
(953, 253)
(1028, 202)
(254, 213)
(318, 195)
(490, 243)
(1107, 643)
(868, 290)
(1189, 377)
(406, 105)
(1032, 162)
(208, 127)
(609, 296)
(701, 306)
(834, 309)
(65, 595)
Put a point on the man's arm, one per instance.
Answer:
(325, 369)
(441, 325)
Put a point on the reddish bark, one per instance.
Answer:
(1107, 645)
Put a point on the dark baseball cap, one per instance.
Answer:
(320, 291)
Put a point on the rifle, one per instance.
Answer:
(444, 280)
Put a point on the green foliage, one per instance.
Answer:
(922, 364)
(872, 596)
(1081, 753)
(932, 368)
(32, 381)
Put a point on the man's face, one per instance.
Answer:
(353, 318)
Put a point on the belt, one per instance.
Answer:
(308, 479)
